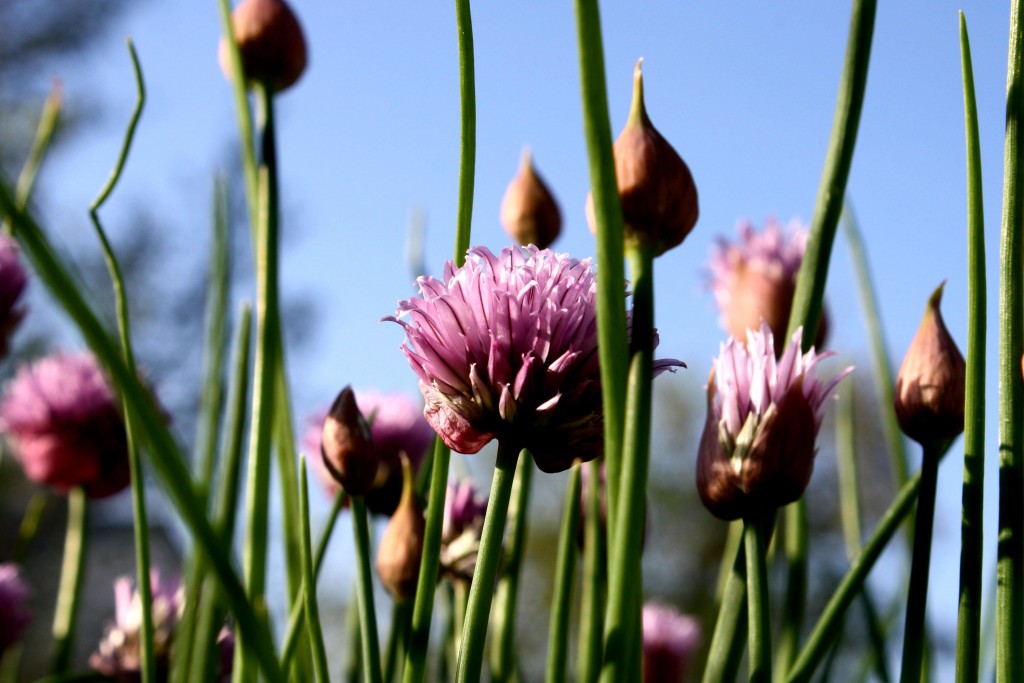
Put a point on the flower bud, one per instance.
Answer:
(529, 211)
(270, 41)
(670, 640)
(14, 599)
(930, 385)
(401, 547)
(347, 447)
(656, 189)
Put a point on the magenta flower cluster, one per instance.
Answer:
(62, 422)
(669, 642)
(12, 284)
(14, 597)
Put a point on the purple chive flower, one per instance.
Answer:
(755, 278)
(670, 639)
(463, 522)
(764, 414)
(119, 653)
(505, 347)
(396, 426)
(14, 597)
(62, 422)
(12, 283)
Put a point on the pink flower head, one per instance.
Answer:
(755, 277)
(763, 418)
(119, 653)
(12, 283)
(396, 426)
(62, 422)
(464, 510)
(669, 641)
(506, 347)
(14, 597)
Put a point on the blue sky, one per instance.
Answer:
(745, 92)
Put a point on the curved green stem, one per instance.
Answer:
(48, 121)
(367, 614)
(72, 576)
(914, 631)
(1010, 551)
(565, 567)
(759, 628)
(506, 598)
(968, 641)
(147, 663)
(825, 631)
(611, 311)
(478, 609)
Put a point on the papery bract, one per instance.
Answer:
(62, 422)
(757, 449)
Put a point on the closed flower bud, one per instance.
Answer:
(270, 41)
(930, 385)
(529, 211)
(656, 189)
(347, 447)
(401, 548)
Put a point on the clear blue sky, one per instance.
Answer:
(745, 92)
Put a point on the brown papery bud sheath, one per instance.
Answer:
(401, 547)
(529, 211)
(271, 42)
(656, 188)
(347, 446)
(931, 382)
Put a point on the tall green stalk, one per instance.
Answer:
(726, 650)
(72, 576)
(1010, 553)
(565, 568)
(759, 626)
(611, 311)
(48, 122)
(591, 620)
(968, 641)
(364, 576)
(316, 638)
(474, 630)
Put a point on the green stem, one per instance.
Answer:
(758, 627)
(824, 633)
(726, 650)
(29, 527)
(795, 516)
(1010, 552)
(917, 594)
(367, 614)
(354, 639)
(316, 638)
(474, 630)
(565, 567)
(611, 311)
(968, 641)
(625, 589)
(592, 603)
(423, 607)
(147, 663)
(467, 133)
(400, 613)
(506, 597)
(72, 576)
(48, 121)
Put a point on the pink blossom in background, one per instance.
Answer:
(763, 418)
(14, 597)
(669, 641)
(13, 279)
(63, 424)
(397, 425)
(463, 522)
(505, 347)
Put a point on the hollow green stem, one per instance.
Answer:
(354, 639)
(795, 521)
(589, 655)
(506, 598)
(758, 628)
(397, 637)
(367, 614)
(29, 527)
(611, 311)
(917, 595)
(426, 584)
(726, 650)
(1010, 551)
(316, 636)
(48, 121)
(824, 633)
(565, 568)
(968, 641)
(241, 95)
(478, 609)
(72, 576)
(624, 585)
(467, 134)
